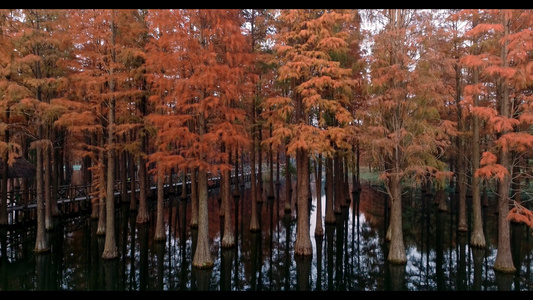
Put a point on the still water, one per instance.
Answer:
(351, 256)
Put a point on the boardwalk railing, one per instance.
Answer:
(75, 198)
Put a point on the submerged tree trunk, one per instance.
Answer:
(41, 243)
(228, 240)
(338, 179)
(288, 183)
(142, 213)
(100, 229)
(193, 223)
(302, 245)
(202, 256)
(477, 238)
(57, 175)
(48, 219)
(124, 172)
(330, 188)
(159, 234)
(504, 260)
(397, 253)
(461, 160)
(319, 228)
(461, 185)
(133, 186)
(110, 244)
(254, 219)
(440, 196)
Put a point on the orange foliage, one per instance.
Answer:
(520, 214)
(490, 168)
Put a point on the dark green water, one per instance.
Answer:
(351, 256)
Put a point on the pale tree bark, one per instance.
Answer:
(288, 183)
(183, 195)
(254, 219)
(133, 186)
(142, 212)
(110, 243)
(41, 243)
(477, 238)
(124, 171)
(319, 227)
(101, 186)
(504, 260)
(56, 176)
(461, 155)
(330, 188)
(338, 179)
(48, 219)
(397, 253)
(302, 245)
(461, 179)
(202, 256)
(159, 234)
(228, 240)
(94, 185)
(193, 223)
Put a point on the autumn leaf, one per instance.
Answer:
(490, 168)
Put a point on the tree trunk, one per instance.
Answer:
(288, 183)
(441, 199)
(254, 219)
(319, 228)
(478, 237)
(346, 188)
(142, 213)
(194, 199)
(228, 240)
(461, 185)
(504, 260)
(202, 256)
(440, 196)
(133, 186)
(124, 172)
(48, 220)
(56, 177)
(302, 245)
(159, 222)
(330, 188)
(101, 215)
(183, 195)
(338, 179)
(397, 253)
(259, 187)
(271, 171)
(41, 244)
(110, 244)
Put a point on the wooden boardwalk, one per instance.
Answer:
(77, 198)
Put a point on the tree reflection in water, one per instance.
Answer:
(350, 256)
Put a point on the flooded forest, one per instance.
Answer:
(109, 115)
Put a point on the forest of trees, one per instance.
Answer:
(439, 98)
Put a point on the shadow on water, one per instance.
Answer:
(350, 256)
